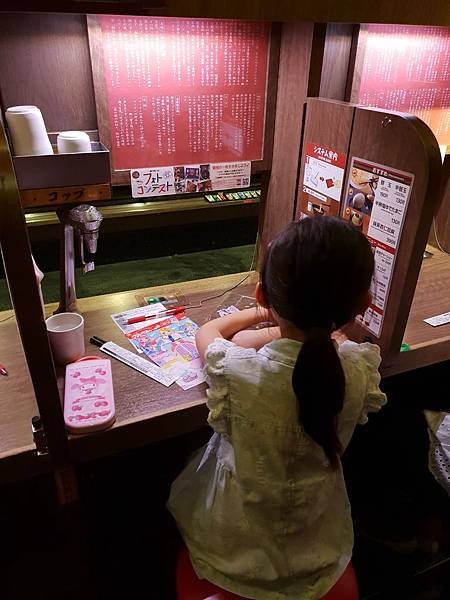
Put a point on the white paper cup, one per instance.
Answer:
(73, 141)
(66, 334)
(27, 128)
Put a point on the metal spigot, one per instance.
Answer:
(85, 220)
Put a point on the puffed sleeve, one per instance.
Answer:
(217, 392)
(374, 397)
(362, 362)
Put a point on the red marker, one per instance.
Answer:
(162, 313)
(3, 370)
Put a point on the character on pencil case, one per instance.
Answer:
(89, 385)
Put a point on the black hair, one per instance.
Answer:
(315, 275)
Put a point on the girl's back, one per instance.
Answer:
(262, 499)
(263, 507)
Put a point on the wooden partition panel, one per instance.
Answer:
(44, 60)
(440, 233)
(17, 260)
(293, 81)
(336, 60)
(337, 133)
(403, 143)
(328, 126)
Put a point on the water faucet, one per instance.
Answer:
(84, 220)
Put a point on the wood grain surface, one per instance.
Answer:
(295, 53)
(431, 298)
(44, 60)
(433, 12)
(327, 123)
(146, 410)
(336, 58)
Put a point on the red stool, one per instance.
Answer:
(190, 587)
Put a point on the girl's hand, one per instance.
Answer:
(339, 337)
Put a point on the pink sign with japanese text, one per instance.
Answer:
(407, 68)
(184, 91)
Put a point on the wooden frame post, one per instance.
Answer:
(23, 287)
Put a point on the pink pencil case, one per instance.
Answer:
(89, 396)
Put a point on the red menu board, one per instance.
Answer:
(407, 68)
(183, 91)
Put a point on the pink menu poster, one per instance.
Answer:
(182, 91)
(407, 68)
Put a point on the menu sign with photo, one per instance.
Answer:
(407, 68)
(183, 91)
(376, 202)
(188, 179)
(322, 181)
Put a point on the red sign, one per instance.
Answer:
(323, 177)
(407, 69)
(184, 91)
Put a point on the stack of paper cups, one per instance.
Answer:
(27, 129)
(73, 141)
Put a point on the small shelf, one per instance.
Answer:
(138, 209)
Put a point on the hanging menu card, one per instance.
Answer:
(407, 68)
(183, 91)
(376, 202)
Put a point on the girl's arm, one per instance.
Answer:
(226, 327)
(256, 338)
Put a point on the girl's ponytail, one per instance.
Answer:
(319, 384)
(316, 277)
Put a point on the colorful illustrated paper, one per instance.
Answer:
(168, 342)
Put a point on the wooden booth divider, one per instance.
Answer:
(385, 144)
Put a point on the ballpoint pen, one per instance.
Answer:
(162, 313)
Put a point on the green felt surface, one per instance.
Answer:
(118, 277)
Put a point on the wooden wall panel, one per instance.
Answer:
(44, 60)
(293, 78)
(433, 12)
(441, 227)
(327, 123)
(338, 43)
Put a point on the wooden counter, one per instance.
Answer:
(147, 411)
(17, 401)
(427, 344)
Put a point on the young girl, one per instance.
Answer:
(263, 507)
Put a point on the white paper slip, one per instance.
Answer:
(438, 320)
(142, 365)
(227, 311)
(189, 374)
(121, 319)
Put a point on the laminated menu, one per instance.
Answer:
(376, 202)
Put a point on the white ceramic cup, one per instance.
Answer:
(73, 141)
(27, 129)
(66, 334)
